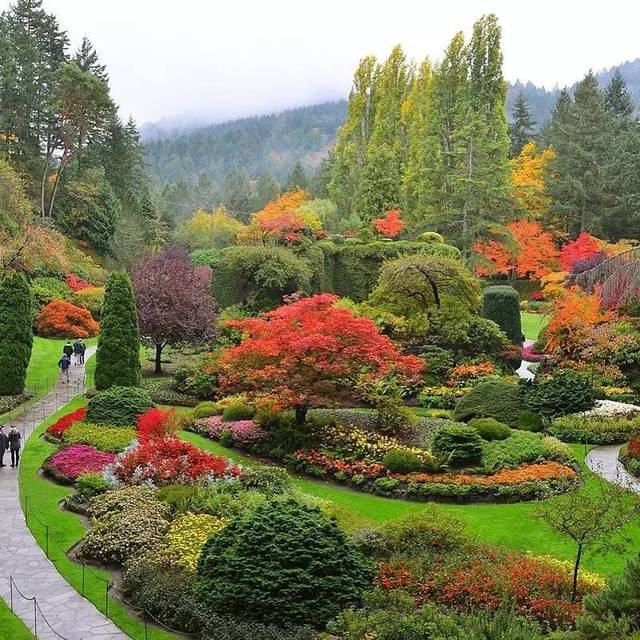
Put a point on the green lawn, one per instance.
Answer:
(533, 324)
(11, 626)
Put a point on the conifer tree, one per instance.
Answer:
(521, 129)
(16, 335)
(617, 99)
(118, 355)
(297, 179)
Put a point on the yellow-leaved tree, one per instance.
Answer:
(528, 180)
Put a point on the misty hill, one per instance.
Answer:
(274, 143)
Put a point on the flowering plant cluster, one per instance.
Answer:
(156, 423)
(328, 464)
(80, 458)
(168, 460)
(243, 432)
(633, 448)
(466, 375)
(188, 534)
(76, 283)
(530, 355)
(62, 424)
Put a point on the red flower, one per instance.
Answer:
(156, 423)
(58, 428)
(76, 283)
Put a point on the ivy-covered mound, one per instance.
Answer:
(444, 460)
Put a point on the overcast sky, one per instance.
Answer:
(217, 59)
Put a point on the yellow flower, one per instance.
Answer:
(188, 534)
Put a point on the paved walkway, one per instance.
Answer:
(73, 617)
(523, 370)
(604, 462)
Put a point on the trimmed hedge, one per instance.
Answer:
(119, 406)
(490, 429)
(563, 393)
(460, 445)
(491, 399)
(595, 429)
(502, 305)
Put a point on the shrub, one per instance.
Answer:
(76, 283)
(60, 319)
(430, 237)
(187, 536)
(89, 485)
(238, 411)
(267, 480)
(401, 461)
(58, 428)
(490, 399)
(117, 358)
(78, 459)
(490, 428)
(45, 290)
(102, 437)
(502, 305)
(563, 393)
(220, 627)
(118, 406)
(283, 564)
(594, 429)
(529, 421)
(461, 445)
(91, 299)
(16, 336)
(205, 409)
(242, 432)
(518, 449)
(123, 499)
(157, 423)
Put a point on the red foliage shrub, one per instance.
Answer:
(76, 283)
(58, 428)
(60, 319)
(156, 423)
(633, 448)
(583, 247)
(391, 225)
(332, 465)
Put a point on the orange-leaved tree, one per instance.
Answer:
(300, 354)
(60, 319)
(533, 254)
(391, 225)
(583, 247)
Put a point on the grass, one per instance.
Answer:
(533, 324)
(11, 626)
(511, 525)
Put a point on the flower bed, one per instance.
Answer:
(243, 432)
(69, 463)
(630, 456)
(102, 437)
(188, 534)
(58, 428)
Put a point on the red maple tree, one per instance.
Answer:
(583, 247)
(300, 353)
(391, 225)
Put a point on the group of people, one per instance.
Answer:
(75, 350)
(10, 441)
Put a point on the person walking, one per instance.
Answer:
(77, 352)
(4, 445)
(83, 348)
(14, 445)
(68, 349)
(64, 363)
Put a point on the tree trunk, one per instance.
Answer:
(301, 414)
(576, 570)
(43, 188)
(159, 348)
(56, 184)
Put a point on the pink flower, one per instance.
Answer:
(80, 458)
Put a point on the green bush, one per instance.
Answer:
(431, 237)
(490, 399)
(90, 485)
(102, 437)
(118, 354)
(46, 289)
(178, 496)
(118, 406)
(502, 305)
(529, 421)
(521, 447)
(91, 299)
(205, 409)
(401, 461)
(599, 430)
(16, 334)
(563, 393)
(283, 564)
(220, 627)
(490, 428)
(268, 480)
(459, 444)
(238, 411)
(257, 276)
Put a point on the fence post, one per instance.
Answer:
(46, 544)
(11, 592)
(144, 619)
(83, 565)
(35, 617)
(106, 599)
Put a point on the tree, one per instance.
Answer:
(86, 57)
(173, 300)
(300, 353)
(118, 355)
(237, 194)
(529, 181)
(617, 99)
(205, 230)
(297, 179)
(521, 129)
(391, 225)
(266, 189)
(583, 247)
(16, 335)
(593, 520)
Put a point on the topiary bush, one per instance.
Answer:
(460, 445)
(118, 355)
(16, 336)
(431, 237)
(491, 399)
(502, 305)
(283, 564)
(205, 410)
(401, 461)
(490, 429)
(119, 406)
(529, 421)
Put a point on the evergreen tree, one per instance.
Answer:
(617, 99)
(86, 58)
(118, 355)
(521, 129)
(16, 335)
(237, 194)
(266, 190)
(320, 180)
(297, 178)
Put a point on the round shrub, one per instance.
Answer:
(492, 399)
(119, 406)
(431, 237)
(502, 305)
(563, 393)
(238, 411)
(461, 445)
(91, 299)
(268, 480)
(490, 428)
(401, 461)
(60, 319)
(205, 410)
(283, 564)
(529, 421)
(90, 485)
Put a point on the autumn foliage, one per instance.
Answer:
(528, 180)
(533, 256)
(583, 247)
(76, 283)
(300, 353)
(156, 423)
(60, 319)
(391, 225)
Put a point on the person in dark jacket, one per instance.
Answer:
(64, 363)
(83, 348)
(4, 445)
(68, 349)
(77, 352)
(14, 445)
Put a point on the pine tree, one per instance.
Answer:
(16, 335)
(237, 194)
(86, 57)
(318, 186)
(297, 178)
(617, 99)
(266, 190)
(521, 129)
(118, 355)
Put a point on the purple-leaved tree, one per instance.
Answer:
(174, 300)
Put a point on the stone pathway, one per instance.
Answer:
(523, 370)
(604, 462)
(72, 617)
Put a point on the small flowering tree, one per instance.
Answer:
(300, 353)
(391, 225)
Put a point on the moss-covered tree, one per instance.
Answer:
(117, 358)
(16, 336)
